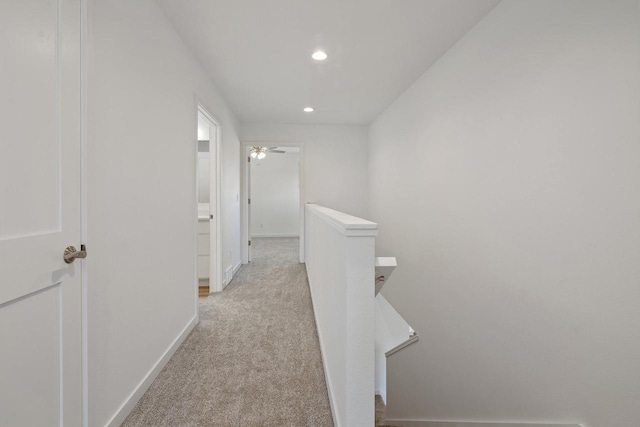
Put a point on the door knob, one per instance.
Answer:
(70, 253)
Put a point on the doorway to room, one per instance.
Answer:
(273, 194)
(208, 204)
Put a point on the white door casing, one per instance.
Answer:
(215, 264)
(245, 194)
(40, 213)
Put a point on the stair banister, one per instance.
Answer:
(340, 259)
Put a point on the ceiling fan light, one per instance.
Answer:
(261, 155)
(254, 154)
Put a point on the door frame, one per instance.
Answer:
(244, 192)
(84, 235)
(215, 283)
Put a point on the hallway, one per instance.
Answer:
(254, 358)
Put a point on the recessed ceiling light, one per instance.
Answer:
(308, 109)
(319, 55)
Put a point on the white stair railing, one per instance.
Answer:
(392, 334)
(340, 258)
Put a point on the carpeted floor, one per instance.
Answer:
(254, 358)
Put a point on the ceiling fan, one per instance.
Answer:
(258, 152)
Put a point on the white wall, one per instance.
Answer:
(506, 181)
(204, 185)
(203, 129)
(335, 161)
(275, 195)
(143, 86)
(202, 167)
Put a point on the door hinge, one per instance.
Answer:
(249, 159)
(249, 242)
(249, 201)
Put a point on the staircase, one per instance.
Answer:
(392, 332)
(351, 319)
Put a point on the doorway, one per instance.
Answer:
(272, 194)
(208, 204)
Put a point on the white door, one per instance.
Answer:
(249, 207)
(214, 274)
(210, 130)
(40, 213)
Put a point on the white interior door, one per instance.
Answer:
(214, 276)
(208, 129)
(40, 213)
(249, 207)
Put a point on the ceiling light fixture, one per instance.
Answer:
(319, 55)
(258, 153)
(308, 109)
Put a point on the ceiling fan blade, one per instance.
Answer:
(277, 151)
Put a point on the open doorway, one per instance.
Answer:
(272, 194)
(208, 209)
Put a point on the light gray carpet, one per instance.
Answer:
(254, 358)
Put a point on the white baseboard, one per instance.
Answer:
(131, 401)
(276, 235)
(425, 423)
(234, 270)
(383, 395)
